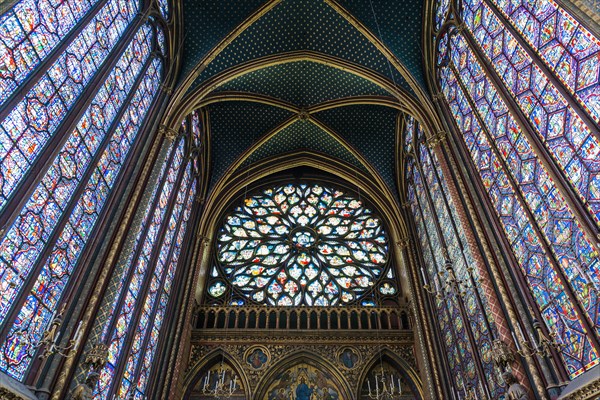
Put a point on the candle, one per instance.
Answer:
(376, 385)
(77, 337)
(369, 384)
(399, 386)
(424, 276)
(437, 285)
(523, 337)
(234, 381)
(516, 341)
(392, 382)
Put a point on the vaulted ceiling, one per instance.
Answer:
(321, 76)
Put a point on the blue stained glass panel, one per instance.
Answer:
(30, 233)
(460, 255)
(441, 10)
(569, 244)
(566, 47)
(163, 273)
(63, 258)
(29, 32)
(459, 353)
(160, 313)
(132, 291)
(34, 120)
(578, 354)
(162, 42)
(572, 144)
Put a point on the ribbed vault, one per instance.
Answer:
(285, 76)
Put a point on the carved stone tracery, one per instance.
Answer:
(284, 345)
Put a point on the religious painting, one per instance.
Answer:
(257, 357)
(303, 382)
(348, 358)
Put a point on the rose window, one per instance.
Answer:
(302, 245)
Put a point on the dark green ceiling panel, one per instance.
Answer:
(303, 135)
(398, 24)
(302, 25)
(235, 126)
(304, 83)
(370, 130)
(206, 23)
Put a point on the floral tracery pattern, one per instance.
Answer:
(302, 244)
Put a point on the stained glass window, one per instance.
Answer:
(530, 208)
(95, 149)
(146, 279)
(33, 121)
(572, 144)
(162, 44)
(430, 201)
(442, 7)
(29, 32)
(563, 44)
(164, 8)
(302, 244)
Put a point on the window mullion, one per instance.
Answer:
(583, 316)
(33, 275)
(152, 263)
(25, 187)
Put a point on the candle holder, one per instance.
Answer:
(219, 389)
(542, 347)
(49, 341)
(384, 390)
(451, 286)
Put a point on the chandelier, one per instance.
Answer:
(384, 390)
(219, 388)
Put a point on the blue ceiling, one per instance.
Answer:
(297, 26)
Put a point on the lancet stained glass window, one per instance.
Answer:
(34, 120)
(554, 252)
(29, 32)
(302, 244)
(146, 279)
(430, 200)
(46, 238)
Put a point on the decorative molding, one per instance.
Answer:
(166, 89)
(168, 132)
(589, 392)
(11, 389)
(5, 394)
(434, 140)
(282, 348)
(404, 242)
